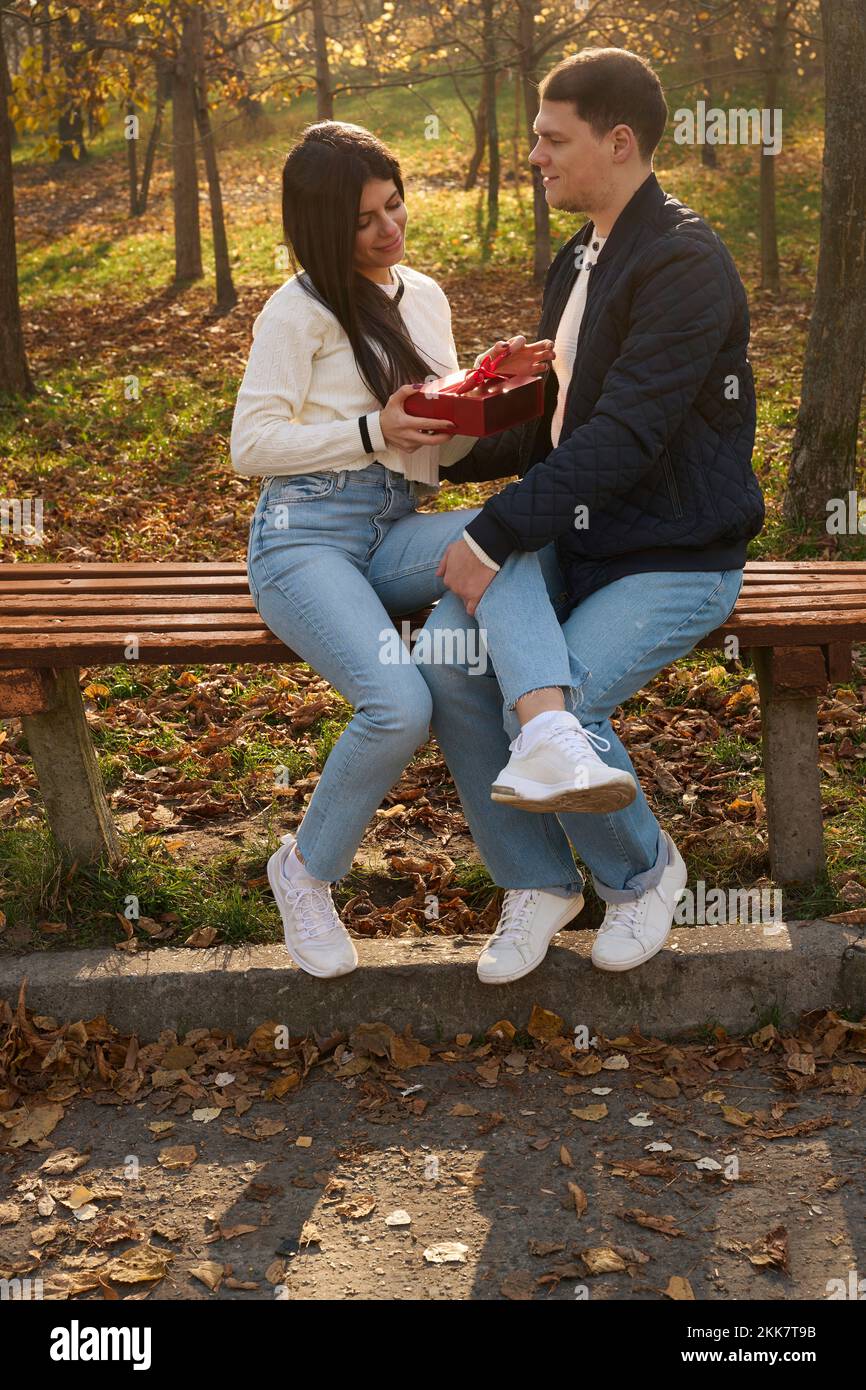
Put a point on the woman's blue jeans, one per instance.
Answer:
(332, 557)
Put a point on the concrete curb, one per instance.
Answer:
(730, 975)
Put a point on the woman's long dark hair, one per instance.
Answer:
(322, 181)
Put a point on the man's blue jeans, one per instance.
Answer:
(618, 638)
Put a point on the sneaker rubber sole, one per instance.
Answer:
(535, 796)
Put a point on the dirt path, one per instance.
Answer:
(293, 1200)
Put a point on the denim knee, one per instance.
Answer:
(402, 712)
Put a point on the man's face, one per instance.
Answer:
(576, 164)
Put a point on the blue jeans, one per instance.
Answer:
(619, 638)
(331, 557)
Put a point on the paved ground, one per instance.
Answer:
(492, 1157)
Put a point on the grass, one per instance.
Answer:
(36, 887)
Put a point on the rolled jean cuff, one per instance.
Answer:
(638, 884)
(570, 890)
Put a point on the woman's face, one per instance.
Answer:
(381, 229)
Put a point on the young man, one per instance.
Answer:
(637, 485)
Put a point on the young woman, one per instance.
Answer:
(336, 546)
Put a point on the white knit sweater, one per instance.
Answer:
(299, 402)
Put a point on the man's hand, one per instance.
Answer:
(464, 574)
(524, 359)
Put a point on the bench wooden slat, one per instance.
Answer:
(818, 604)
(798, 566)
(790, 592)
(71, 604)
(65, 603)
(22, 571)
(767, 632)
(151, 584)
(180, 647)
(83, 624)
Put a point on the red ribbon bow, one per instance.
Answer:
(485, 371)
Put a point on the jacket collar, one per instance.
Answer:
(640, 208)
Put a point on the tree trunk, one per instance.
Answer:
(540, 210)
(324, 95)
(187, 229)
(226, 295)
(15, 376)
(70, 133)
(516, 161)
(709, 158)
(11, 46)
(489, 39)
(132, 165)
(150, 152)
(479, 125)
(823, 462)
(70, 123)
(772, 73)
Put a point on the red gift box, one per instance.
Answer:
(481, 401)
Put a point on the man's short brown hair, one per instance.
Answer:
(608, 87)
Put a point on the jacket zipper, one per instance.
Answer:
(672, 484)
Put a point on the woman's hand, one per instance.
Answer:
(524, 359)
(411, 432)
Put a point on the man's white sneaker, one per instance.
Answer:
(528, 923)
(315, 937)
(634, 932)
(559, 770)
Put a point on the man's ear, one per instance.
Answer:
(623, 143)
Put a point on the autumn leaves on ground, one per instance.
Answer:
(522, 1165)
(206, 767)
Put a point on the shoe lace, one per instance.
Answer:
(317, 916)
(516, 908)
(624, 918)
(574, 739)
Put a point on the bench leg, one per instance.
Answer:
(790, 680)
(69, 778)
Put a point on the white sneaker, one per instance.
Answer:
(528, 923)
(634, 932)
(561, 771)
(315, 937)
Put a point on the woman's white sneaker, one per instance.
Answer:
(634, 932)
(555, 767)
(529, 921)
(315, 937)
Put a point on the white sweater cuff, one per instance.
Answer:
(374, 429)
(481, 554)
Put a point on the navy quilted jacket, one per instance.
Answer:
(659, 421)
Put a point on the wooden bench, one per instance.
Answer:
(797, 619)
